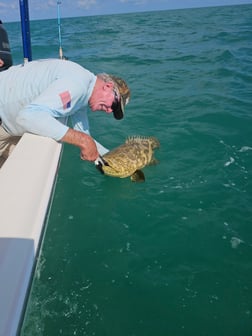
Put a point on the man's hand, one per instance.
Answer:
(84, 141)
(89, 150)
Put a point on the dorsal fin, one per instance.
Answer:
(138, 138)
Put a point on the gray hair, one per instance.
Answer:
(105, 77)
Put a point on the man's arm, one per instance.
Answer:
(84, 141)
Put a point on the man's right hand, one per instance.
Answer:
(84, 141)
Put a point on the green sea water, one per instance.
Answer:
(171, 256)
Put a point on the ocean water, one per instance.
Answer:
(171, 256)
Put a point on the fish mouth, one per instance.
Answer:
(99, 163)
(99, 167)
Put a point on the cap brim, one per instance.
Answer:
(119, 111)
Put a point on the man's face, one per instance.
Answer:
(102, 98)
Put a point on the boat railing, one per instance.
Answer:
(27, 180)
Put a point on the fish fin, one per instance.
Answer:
(137, 176)
(139, 139)
(153, 162)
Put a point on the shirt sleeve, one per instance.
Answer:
(37, 119)
(60, 99)
(101, 149)
(80, 120)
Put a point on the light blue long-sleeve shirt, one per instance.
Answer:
(34, 95)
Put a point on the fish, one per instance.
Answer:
(128, 159)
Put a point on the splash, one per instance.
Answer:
(231, 160)
(245, 149)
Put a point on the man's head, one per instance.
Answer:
(111, 95)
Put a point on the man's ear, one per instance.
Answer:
(108, 86)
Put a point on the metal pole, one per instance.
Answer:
(59, 28)
(25, 25)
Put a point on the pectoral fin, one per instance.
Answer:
(137, 176)
(153, 162)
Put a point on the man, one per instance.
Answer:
(34, 96)
(5, 53)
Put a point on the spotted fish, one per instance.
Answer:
(129, 158)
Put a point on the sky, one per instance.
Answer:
(47, 9)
